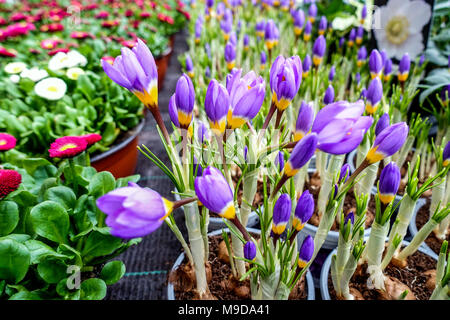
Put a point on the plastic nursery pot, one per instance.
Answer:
(171, 292)
(162, 63)
(216, 223)
(121, 159)
(413, 226)
(325, 293)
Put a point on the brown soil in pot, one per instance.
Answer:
(313, 185)
(221, 284)
(415, 276)
(423, 215)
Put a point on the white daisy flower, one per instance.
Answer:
(51, 88)
(34, 74)
(74, 73)
(14, 78)
(58, 61)
(76, 59)
(399, 26)
(15, 67)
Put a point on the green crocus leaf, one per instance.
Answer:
(51, 221)
(112, 272)
(9, 217)
(15, 260)
(93, 289)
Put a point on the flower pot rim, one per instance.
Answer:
(115, 148)
(324, 292)
(170, 289)
(165, 53)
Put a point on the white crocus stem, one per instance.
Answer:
(192, 217)
(347, 274)
(329, 173)
(205, 235)
(438, 195)
(269, 284)
(176, 231)
(300, 179)
(249, 185)
(416, 154)
(322, 230)
(334, 276)
(342, 255)
(418, 239)
(442, 231)
(441, 293)
(375, 248)
(365, 184)
(361, 152)
(238, 251)
(404, 216)
(404, 151)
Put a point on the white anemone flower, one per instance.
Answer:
(63, 60)
(398, 27)
(15, 67)
(51, 88)
(34, 74)
(74, 73)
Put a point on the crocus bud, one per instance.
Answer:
(281, 214)
(363, 14)
(207, 72)
(250, 250)
(198, 170)
(375, 64)
(341, 42)
(271, 34)
(306, 252)
(260, 28)
(185, 99)
(303, 211)
(359, 35)
(387, 70)
(230, 55)
(345, 173)
(389, 182)
(133, 211)
(358, 78)
(323, 25)
(285, 79)
(382, 123)
(299, 21)
(403, 68)
(263, 59)
(307, 62)
(208, 51)
(350, 218)
(319, 48)
(307, 32)
(445, 94)
(388, 142)
(362, 56)
(189, 66)
(217, 104)
(10, 181)
(221, 200)
(446, 155)
(246, 41)
(332, 73)
(279, 160)
(329, 95)
(384, 56)
(226, 26)
(173, 111)
(351, 38)
(7, 142)
(304, 120)
(302, 152)
(374, 95)
(202, 133)
(312, 12)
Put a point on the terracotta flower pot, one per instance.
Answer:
(170, 288)
(162, 63)
(121, 159)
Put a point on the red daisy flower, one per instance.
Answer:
(6, 53)
(9, 181)
(67, 147)
(7, 142)
(91, 138)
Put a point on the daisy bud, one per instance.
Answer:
(250, 250)
(446, 155)
(329, 95)
(304, 120)
(307, 62)
(306, 252)
(133, 211)
(319, 48)
(307, 32)
(389, 183)
(281, 214)
(217, 104)
(388, 142)
(323, 25)
(345, 173)
(374, 95)
(403, 68)
(285, 79)
(230, 55)
(221, 200)
(9, 182)
(382, 123)
(375, 64)
(303, 211)
(302, 152)
(7, 142)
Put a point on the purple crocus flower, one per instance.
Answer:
(363, 94)
(185, 99)
(389, 182)
(301, 154)
(359, 35)
(263, 59)
(374, 95)
(260, 28)
(173, 111)
(285, 79)
(198, 170)
(233, 39)
(304, 120)
(202, 132)
(387, 70)
(363, 14)
(351, 38)
(230, 55)
(362, 56)
(358, 78)
(303, 211)
(198, 30)
(246, 41)
(271, 34)
(133, 211)
(246, 97)
(323, 25)
(350, 218)
(384, 56)
(220, 10)
(422, 60)
(136, 71)
(341, 42)
(332, 73)
(446, 155)
(217, 104)
(306, 252)
(221, 200)
(226, 26)
(207, 72)
(307, 62)
(320, 45)
(340, 126)
(209, 4)
(329, 95)
(307, 32)
(388, 142)
(345, 173)
(312, 12)
(281, 214)
(299, 21)
(250, 250)
(382, 123)
(375, 64)
(189, 66)
(403, 68)
(208, 50)
(279, 160)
